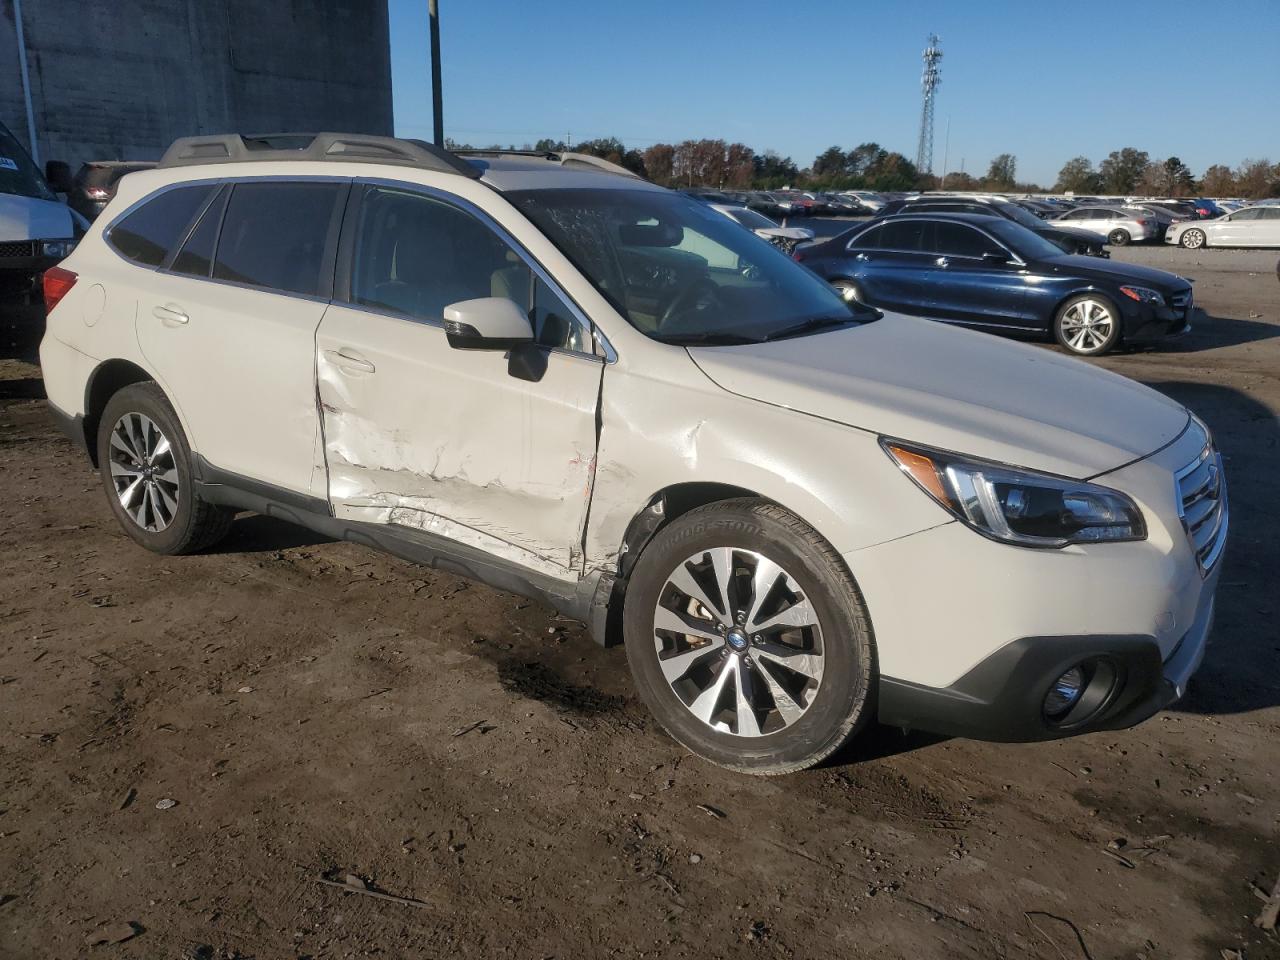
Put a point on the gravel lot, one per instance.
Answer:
(315, 710)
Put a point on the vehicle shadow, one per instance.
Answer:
(1241, 671)
(1209, 332)
(255, 533)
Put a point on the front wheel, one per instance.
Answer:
(1193, 239)
(748, 638)
(1087, 326)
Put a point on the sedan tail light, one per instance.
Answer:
(57, 283)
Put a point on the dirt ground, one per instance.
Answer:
(189, 745)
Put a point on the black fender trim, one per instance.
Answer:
(583, 600)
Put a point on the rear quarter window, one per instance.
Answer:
(147, 234)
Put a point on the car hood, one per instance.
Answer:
(957, 390)
(30, 218)
(1091, 268)
(1076, 231)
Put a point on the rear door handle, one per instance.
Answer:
(942, 262)
(348, 361)
(170, 314)
(863, 257)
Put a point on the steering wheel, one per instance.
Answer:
(696, 296)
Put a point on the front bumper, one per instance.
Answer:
(1145, 322)
(970, 633)
(1001, 699)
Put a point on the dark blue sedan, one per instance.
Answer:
(994, 274)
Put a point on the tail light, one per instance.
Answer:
(57, 283)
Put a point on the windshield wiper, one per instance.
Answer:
(814, 324)
(708, 339)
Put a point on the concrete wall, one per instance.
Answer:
(121, 79)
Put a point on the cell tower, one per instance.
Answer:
(929, 81)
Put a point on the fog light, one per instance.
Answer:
(1064, 694)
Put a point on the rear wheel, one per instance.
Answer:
(748, 638)
(1087, 325)
(1193, 239)
(1118, 237)
(145, 463)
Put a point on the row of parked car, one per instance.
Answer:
(1120, 220)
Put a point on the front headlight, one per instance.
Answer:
(1017, 506)
(56, 248)
(1143, 295)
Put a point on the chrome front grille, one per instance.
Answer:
(1202, 504)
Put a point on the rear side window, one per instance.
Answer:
(867, 240)
(196, 256)
(274, 235)
(904, 235)
(148, 234)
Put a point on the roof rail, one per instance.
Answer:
(562, 157)
(349, 147)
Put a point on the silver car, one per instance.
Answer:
(1256, 226)
(1119, 224)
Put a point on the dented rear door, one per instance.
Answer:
(456, 443)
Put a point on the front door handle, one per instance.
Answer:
(170, 314)
(348, 361)
(942, 262)
(863, 257)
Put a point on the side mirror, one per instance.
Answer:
(487, 323)
(995, 256)
(58, 175)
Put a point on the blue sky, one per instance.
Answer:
(1044, 81)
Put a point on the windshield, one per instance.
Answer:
(751, 219)
(18, 175)
(680, 272)
(1023, 242)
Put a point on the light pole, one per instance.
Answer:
(433, 10)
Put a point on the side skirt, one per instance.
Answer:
(586, 600)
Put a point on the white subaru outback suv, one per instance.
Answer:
(557, 378)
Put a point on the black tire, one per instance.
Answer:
(842, 702)
(1194, 239)
(1119, 237)
(195, 524)
(1062, 331)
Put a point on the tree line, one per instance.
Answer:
(736, 166)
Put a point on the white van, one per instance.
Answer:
(36, 228)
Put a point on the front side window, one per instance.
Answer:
(147, 234)
(274, 235)
(415, 255)
(958, 240)
(679, 271)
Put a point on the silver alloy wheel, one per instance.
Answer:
(738, 642)
(144, 472)
(1193, 239)
(1087, 325)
